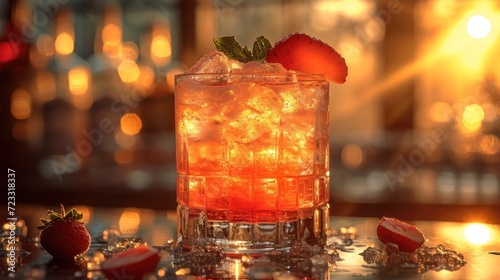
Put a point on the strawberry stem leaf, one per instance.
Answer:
(73, 214)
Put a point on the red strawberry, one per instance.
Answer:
(406, 236)
(131, 264)
(302, 53)
(64, 236)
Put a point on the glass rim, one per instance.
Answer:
(299, 75)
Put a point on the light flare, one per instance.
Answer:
(478, 27)
(477, 233)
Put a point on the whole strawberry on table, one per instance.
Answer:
(63, 235)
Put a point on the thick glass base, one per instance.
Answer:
(241, 237)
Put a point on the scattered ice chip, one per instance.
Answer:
(423, 259)
(109, 236)
(200, 260)
(123, 244)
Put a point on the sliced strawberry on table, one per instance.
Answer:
(131, 264)
(302, 53)
(406, 236)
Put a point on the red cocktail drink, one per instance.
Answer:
(252, 158)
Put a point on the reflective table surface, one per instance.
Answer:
(478, 242)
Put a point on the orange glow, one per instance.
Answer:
(124, 140)
(111, 34)
(472, 118)
(352, 155)
(161, 43)
(20, 106)
(128, 71)
(146, 77)
(123, 156)
(129, 50)
(111, 50)
(130, 124)
(78, 79)
(64, 43)
(462, 40)
(45, 45)
(46, 85)
(489, 144)
(441, 112)
(129, 221)
(21, 131)
(477, 233)
(478, 26)
(83, 101)
(161, 47)
(171, 77)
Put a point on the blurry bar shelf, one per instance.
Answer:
(164, 199)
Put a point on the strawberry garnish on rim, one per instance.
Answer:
(302, 53)
(407, 237)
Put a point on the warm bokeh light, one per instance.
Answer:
(45, 45)
(21, 131)
(130, 124)
(146, 77)
(129, 50)
(472, 117)
(7, 52)
(478, 26)
(112, 34)
(124, 140)
(440, 112)
(161, 47)
(123, 156)
(171, 77)
(46, 85)
(82, 101)
(20, 104)
(129, 221)
(490, 112)
(489, 144)
(128, 71)
(111, 51)
(352, 155)
(477, 233)
(355, 9)
(78, 79)
(65, 43)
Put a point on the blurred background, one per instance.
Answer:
(87, 98)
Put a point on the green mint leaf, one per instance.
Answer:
(260, 48)
(232, 48)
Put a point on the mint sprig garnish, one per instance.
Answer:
(234, 50)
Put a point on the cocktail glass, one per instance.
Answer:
(252, 158)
